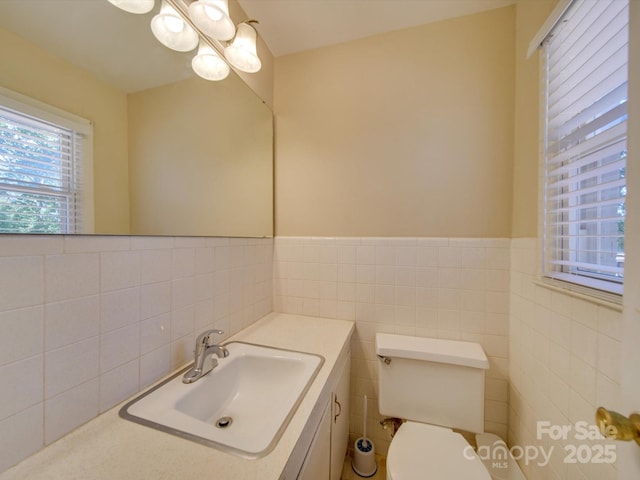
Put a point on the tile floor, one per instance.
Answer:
(349, 474)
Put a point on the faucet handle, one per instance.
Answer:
(204, 336)
(202, 341)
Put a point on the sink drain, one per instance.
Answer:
(224, 422)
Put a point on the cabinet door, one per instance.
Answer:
(340, 420)
(316, 463)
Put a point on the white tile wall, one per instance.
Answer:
(87, 321)
(563, 365)
(96, 319)
(435, 287)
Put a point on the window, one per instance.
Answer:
(42, 158)
(585, 60)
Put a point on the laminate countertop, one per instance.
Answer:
(111, 448)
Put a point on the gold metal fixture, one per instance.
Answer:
(615, 426)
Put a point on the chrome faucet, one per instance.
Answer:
(204, 360)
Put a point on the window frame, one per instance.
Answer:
(593, 285)
(47, 113)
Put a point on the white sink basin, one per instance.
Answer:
(242, 406)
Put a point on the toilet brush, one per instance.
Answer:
(364, 453)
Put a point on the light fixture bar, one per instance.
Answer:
(204, 24)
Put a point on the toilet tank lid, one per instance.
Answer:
(454, 352)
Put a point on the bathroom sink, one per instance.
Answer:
(242, 406)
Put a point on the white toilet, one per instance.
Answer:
(436, 385)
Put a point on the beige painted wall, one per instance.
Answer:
(200, 160)
(530, 16)
(31, 71)
(408, 133)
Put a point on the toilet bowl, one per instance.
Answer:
(438, 386)
(419, 452)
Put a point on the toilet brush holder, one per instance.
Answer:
(364, 458)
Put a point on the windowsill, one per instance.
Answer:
(593, 295)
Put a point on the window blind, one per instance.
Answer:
(40, 175)
(585, 66)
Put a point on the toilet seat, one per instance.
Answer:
(420, 451)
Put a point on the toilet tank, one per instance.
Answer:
(428, 380)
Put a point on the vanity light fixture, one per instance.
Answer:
(212, 17)
(207, 24)
(242, 51)
(134, 6)
(172, 31)
(208, 64)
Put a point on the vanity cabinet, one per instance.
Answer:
(316, 464)
(325, 457)
(340, 419)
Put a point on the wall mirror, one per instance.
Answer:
(173, 154)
